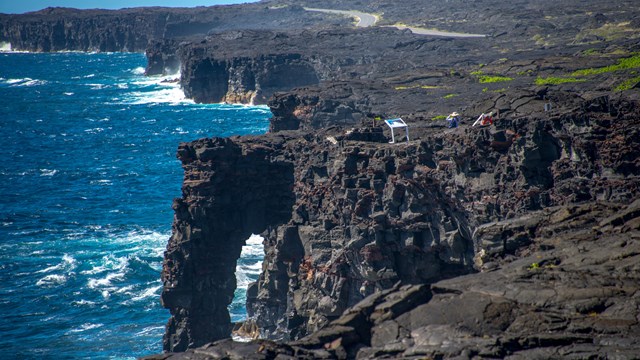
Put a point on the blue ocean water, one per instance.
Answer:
(87, 176)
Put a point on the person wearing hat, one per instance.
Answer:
(452, 120)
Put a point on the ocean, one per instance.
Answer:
(88, 173)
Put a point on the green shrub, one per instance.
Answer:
(556, 80)
(487, 79)
(623, 64)
(449, 96)
(628, 84)
(439, 117)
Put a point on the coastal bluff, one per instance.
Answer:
(458, 242)
(134, 29)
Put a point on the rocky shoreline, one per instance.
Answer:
(357, 217)
(517, 240)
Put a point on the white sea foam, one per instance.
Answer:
(253, 268)
(25, 82)
(48, 172)
(68, 264)
(94, 130)
(168, 95)
(151, 330)
(180, 131)
(17, 81)
(246, 274)
(148, 293)
(105, 282)
(108, 263)
(97, 86)
(68, 93)
(84, 303)
(253, 247)
(255, 240)
(85, 327)
(138, 71)
(242, 280)
(52, 280)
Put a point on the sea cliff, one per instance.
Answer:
(359, 235)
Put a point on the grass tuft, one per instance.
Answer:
(632, 62)
(552, 80)
(487, 79)
(628, 84)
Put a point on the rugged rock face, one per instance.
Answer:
(354, 216)
(571, 294)
(229, 67)
(64, 29)
(243, 80)
(212, 220)
(162, 58)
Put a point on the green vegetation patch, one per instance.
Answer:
(556, 80)
(439, 117)
(623, 64)
(449, 96)
(628, 84)
(487, 79)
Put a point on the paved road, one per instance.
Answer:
(367, 20)
(422, 31)
(364, 19)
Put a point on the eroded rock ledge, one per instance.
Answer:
(347, 216)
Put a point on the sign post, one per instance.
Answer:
(395, 124)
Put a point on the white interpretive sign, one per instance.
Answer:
(396, 124)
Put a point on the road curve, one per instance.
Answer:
(368, 20)
(364, 19)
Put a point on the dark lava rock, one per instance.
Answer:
(131, 29)
(344, 219)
